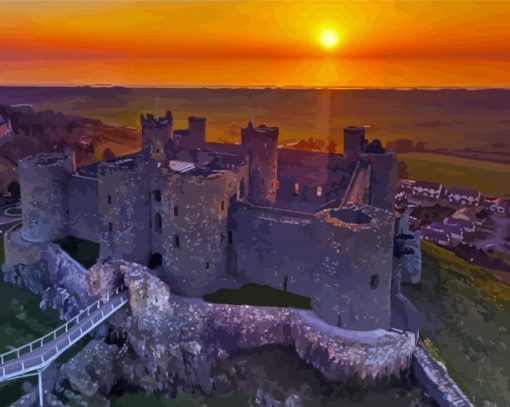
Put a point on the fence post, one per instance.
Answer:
(41, 392)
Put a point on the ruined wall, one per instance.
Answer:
(156, 132)
(383, 182)
(194, 235)
(84, 221)
(310, 170)
(178, 340)
(124, 209)
(262, 144)
(342, 259)
(44, 189)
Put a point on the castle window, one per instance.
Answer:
(110, 226)
(222, 205)
(207, 265)
(230, 237)
(157, 195)
(297, 189)
(158, 222)
(176, 211)
(109, 199)
(318, 191)
(241, 189)
(177, 241)
(374, 281)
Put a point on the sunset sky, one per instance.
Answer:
(37, 34)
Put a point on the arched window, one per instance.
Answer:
(176, 211)
(374, 281)
(109, 199)
(158, 222)
(230, 237)
(318, 191)
(222, 205)
(297, 188)
(155, 260)
(110, 227)
(177, 241)
(157, 195)
(207, 265)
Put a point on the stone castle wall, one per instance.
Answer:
(84, 221)
(44, 183)
(123, 192)
(194, 234)
(343, 266)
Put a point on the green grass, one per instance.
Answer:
(83, 251)
(21, 321)
(262, 295)
(465, 315)
(489, 178)
(14, 210)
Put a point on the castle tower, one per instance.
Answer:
(262, 145)
(156, 132)
(354, 142)
(196, 126)
(123, 203)
(44, 180)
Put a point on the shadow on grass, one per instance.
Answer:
(261, 295)
(83, 251)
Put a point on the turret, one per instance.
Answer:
(354, 142)
(44, 181)
(196, 127)
(262, 145)
(156, 132)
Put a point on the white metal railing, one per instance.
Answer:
(117, 301)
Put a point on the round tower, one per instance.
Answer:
(156, 132)
(262, 145)
(44, 180)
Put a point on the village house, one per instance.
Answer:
(466, 225)
(455, 232)
(439, 237)
(464, 196)
(498, 206)
(425, 189)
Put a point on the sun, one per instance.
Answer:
(328, 38)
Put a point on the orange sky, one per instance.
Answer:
(133, 30)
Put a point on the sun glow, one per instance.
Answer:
(329, 38)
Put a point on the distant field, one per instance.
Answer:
(490, 178)
(441, 118)
(465, 312)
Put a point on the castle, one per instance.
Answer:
(206, 216)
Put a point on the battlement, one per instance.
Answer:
(261, 131)
(125, 164)
(156, 122)
(46, 160)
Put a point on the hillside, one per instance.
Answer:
(465, 312)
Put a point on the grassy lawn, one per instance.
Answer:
(489, 178)
(14, 210)
(465, 315)
(263, 295)
(21, 321)
(83, 251)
